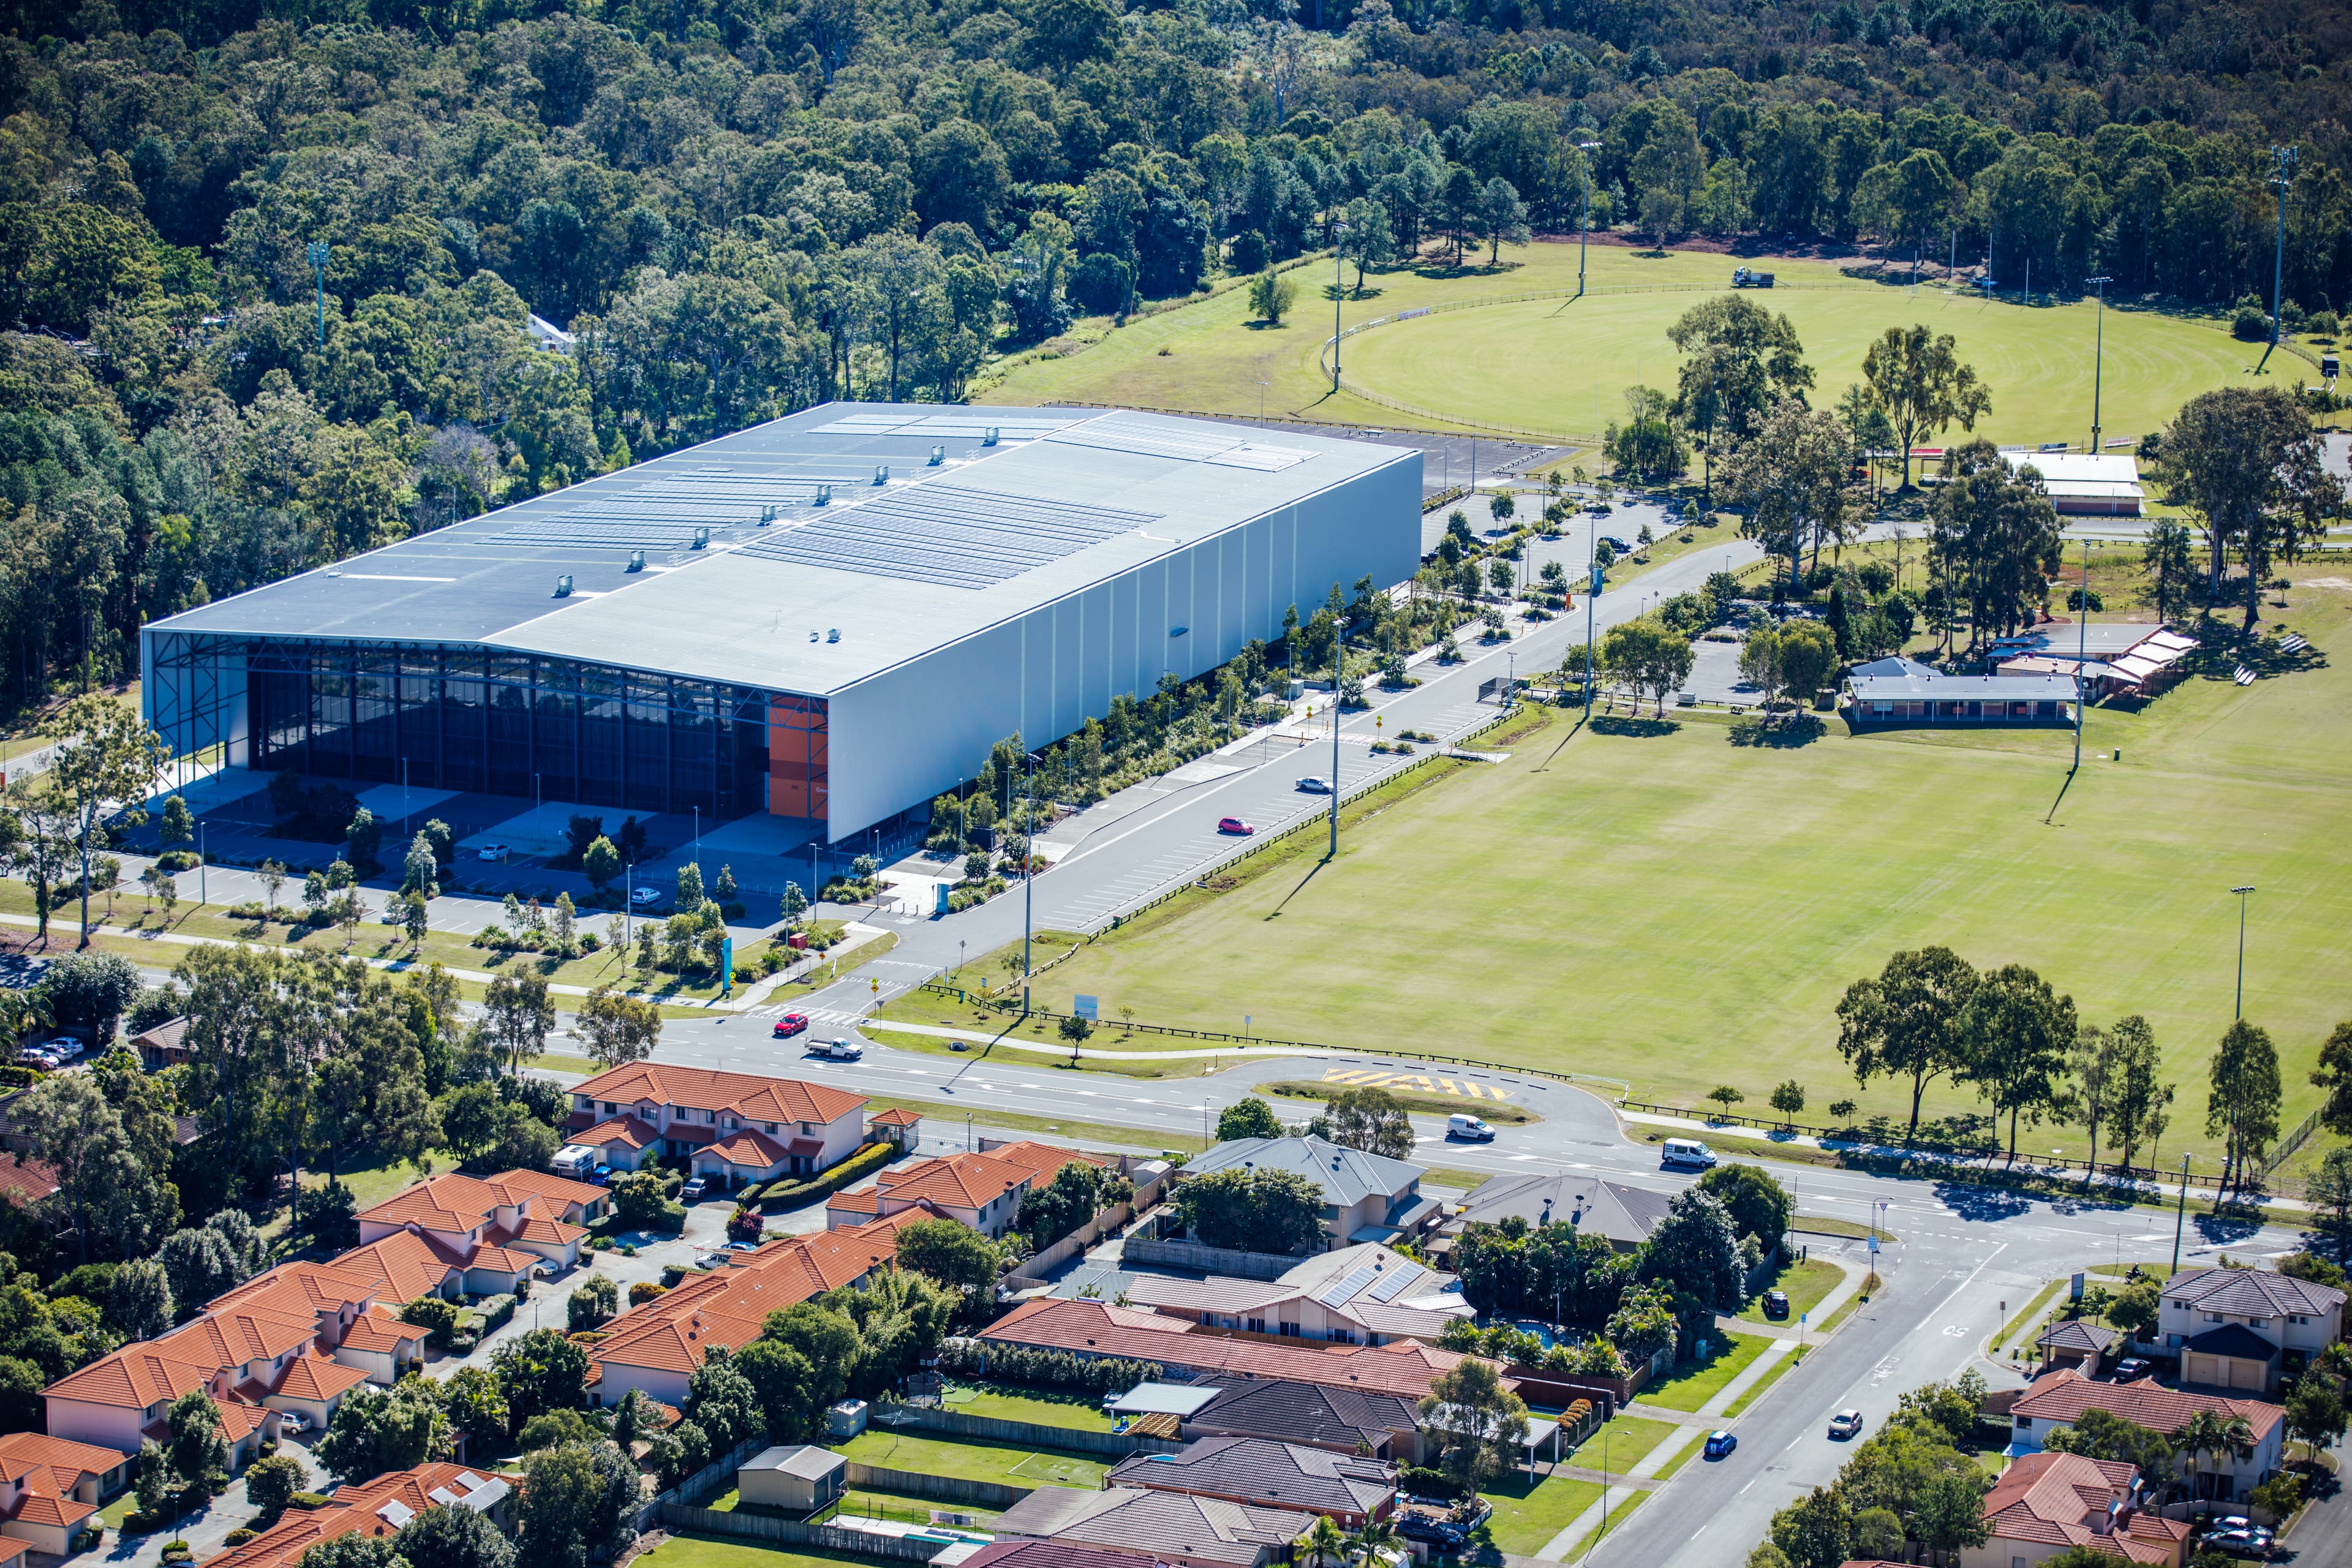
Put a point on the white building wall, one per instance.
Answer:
(902, 737)
(107, 1426)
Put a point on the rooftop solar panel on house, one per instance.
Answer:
(1392, 1285)
(948, 535)
(1355, 1280)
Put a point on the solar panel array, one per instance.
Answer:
(948, 535)
(1356, 1279)
(1118, 434)
(1393, 1285)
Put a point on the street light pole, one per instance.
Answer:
(1338, 293)
(2180, 1215)
(2081, 651)
(1028, 868)
(2099, 356)
(1584, 224)
(2241, 892)
(1339, 679)
(203, 896)
(1592, 592)
(2282, 175)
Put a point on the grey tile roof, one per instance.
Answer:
(2078, 1334)
(1305, 1413)
(1347, 1177)
(2251, 1292)
(1262, 1471)
(2231, 1340)
(1171, 1523)
(1611, 1209)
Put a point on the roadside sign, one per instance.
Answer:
(1874, 1244)
(1596, 579)
(1086, 1007)
(726, 965)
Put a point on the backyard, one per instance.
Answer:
(973, 1461)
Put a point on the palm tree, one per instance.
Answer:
(1376, 1536)
(2206, 1432)
(1324, 1545)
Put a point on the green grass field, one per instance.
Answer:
(710, 1552)
(1527, 1517)
(1009, 1403)
(1686, 911)
(1806, 1282)
(1619, 1443)
(1693, 1383)
(1501, 365)
(973, 1461)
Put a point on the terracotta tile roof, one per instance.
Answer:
(26, 1179)
(292, 1288)
(2065, 1499)
(557, 1189)
(956, 1181)
(750, 1096)
(547, 1232)
(134, 1377)
(728, 1307)
(1405, 1368)
(354, 1510)
(235, 1335)
(897, 1116)
(754, 1149)
(629, 1130)
(2251, 1292)
(48, 1509)
(400, 1267)
(239, 1417)
(377, 1330)
(2063, 1396)
(69, 1461)
(458, 1202)
(317, 1378)
(1043, 1160)
(12, 1548)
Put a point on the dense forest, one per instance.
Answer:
(745, 206)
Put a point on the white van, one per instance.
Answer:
(1688, 1151)
(1460, 1125)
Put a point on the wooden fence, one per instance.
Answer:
(996, 1495)
(682, 1517)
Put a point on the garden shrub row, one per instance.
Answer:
(779, 1195)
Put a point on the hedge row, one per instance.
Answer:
(1048, 1369)
(777, 1197)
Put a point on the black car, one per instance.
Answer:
(1776, 1303)
(1436, 1532)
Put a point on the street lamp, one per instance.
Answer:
(2242, 893)
(2082, 640)
(1338, 684)
(318, 268)
(2282, 175)
(2098, 355)
(203, 896)
(1028, 869)
(1338, 293)
(1584, 224)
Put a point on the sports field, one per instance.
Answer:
(1554, 366)
(1683, 912)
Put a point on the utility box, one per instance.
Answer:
(846, 1419)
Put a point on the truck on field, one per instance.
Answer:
(1750, 277)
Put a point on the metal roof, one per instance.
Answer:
(1890, 678)
(901, 528)
(1347, 1177)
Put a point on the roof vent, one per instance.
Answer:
(702, 539)
(823, 494)
(988, 436)
(767, 514)
(938, 456)
(563, 586)
(881, 473)
(636, 560)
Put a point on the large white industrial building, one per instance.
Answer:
(828, 618)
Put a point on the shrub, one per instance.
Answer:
(1051, 1369)
(492, 1313)
(2250, 322)
(645, 1291)
(437, 1317)
(1422, 1481)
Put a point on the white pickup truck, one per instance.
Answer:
(838, 1050)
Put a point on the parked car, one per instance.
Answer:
(838, 1050)
(1846, 1423)
(694, 1189)
(491, 852)
(1436, 1532)
(2249, 1541)
(788, 1026)
(645, 898)
(1462, 1125)
(1315, 783)
(1719, 1444)
(1234, 825)
(1776, 1303)
(2131, 1368)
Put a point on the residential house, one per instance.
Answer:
(1263, 1473)
(518, 1211)
(376, 1508)
(1624, 1217)
(24, 1181)
(982, 1190)
(1366, 1197)
(2045, 1505)
(1174, 1530)
(2247, 1329)
(899, 1126)
(50, 1489)
(1383, 1425)
(119, 1400)
(355, 1321)
(271, 1358)
(1363, 1295)
(165, 1046)
(2059, 1399)
(1093, 1329)
(683, 1113)
(1036, 1555)
(411, 1262)
(657, 1346)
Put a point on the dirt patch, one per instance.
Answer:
(2342, 584)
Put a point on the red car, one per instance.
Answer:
(1234, 825)
(788, 1026)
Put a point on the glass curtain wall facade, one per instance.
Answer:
(483, 720)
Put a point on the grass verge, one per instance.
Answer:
(1526, 1517)
(1501, 1112)
(2025, 1320)
(1693, 1383)
(1778, 1370)
(1806, 1282)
